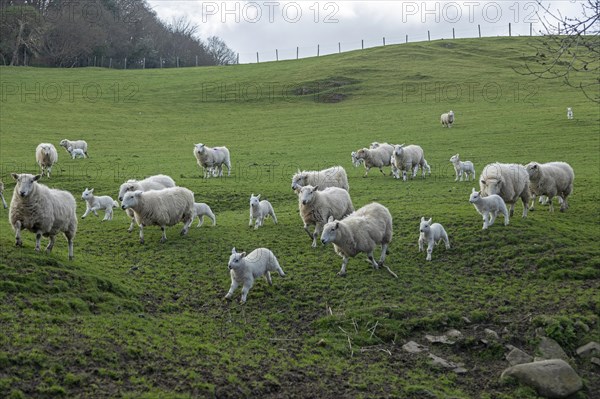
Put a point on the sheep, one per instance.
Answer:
(509, 181)
(2, 195)
(46, 156)
(245, 268)
(212, 157)
(447, 119)
(77, 144)
(331, 177)
(317, 206)
(259, 210)
(76, 152)
(551, 179)
(408, 157)
(425, 167)
(376, 157)
(43, 211)
(355, 161)
(360, 231)
(162, 208)
(201, 210)
(462, 168)
(569, 113)
(94, 203)
(432, 234)
(488, 207)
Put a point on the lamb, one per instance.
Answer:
(259, 210)
(317, 206)
(165, 207)
(408, 157)
(376, 157)
(488, 207)
(43, 211)
(2, 195)
(46, 156)
(462, 168)
(331, 177)
(509, 181)
(212, 157)
(569, 113)
(244, 269)
(360, 231)
(432, 234)
(355, 161)
(77, 144)
(201, 210)
(94, 203)
(76, 152)
(551, 179)
(447, 119)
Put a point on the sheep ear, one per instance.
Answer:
(37, 177)
(337, 225)
(233, 251)
(482, 182)
(422, 219)
(258, 196)
(243, 255)
(429, 221)
(315, 188)
(331, 219)
(137, 194)
(91, 190)
(15, 176)
(473, 189)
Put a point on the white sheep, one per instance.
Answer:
(43, 211)
(509, 181)
(551, 179)
(447, 119)
(425, 167)
(94, 203)
(163, 208)
(376, 157)
(46, 156)
(201, 210)
(408, 158)
(461, 168)
(331, 177)
(569, 113)
(259, 210)
(316, 207)
(432, 234)
(212, 157)
(76, 152)
(355, 161)
(488, 207)
(361, 231)
(244, 269)
(2, 195)
(76, 144)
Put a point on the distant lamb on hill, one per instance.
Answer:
(46, 156)
(447, 119)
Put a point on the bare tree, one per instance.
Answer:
(222, 54)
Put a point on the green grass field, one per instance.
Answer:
(131, 320)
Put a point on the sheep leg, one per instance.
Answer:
(273, 216)
(493, 215)
(200, 221)
(316, 234)
(131, 226)
(70, 244)
(430, 245)
(383, 253)
(372, 260)
(415, 170)
(228, 169)
(268, 277)
(446, 241)
(421, 242)
(234, 285)
(164, 234)
(404, 177)
(524, 199)
(564, 205)
(342, 271)
(245, 290)
(18, 241)
(308, 232)
(485, 220)
(506, 219)
(250, 222)
(3, 201)
(512, 210)
(50, 244)
(551, 208)
(381, 170)
(141, 233)
(532, 206)
(107, 214)
(38, 237)
(366, 170)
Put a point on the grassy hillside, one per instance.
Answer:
(131, 320)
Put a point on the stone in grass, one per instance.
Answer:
(491, 334)
(449, 338)
(517, 356)
(550, 349)
(443, 363)
(413, 347)
(589, 349)
(553, 379)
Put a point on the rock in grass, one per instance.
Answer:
(517, 356)
(553, 379)
(550, 349)
(589, 349)
(446, 364)
(413, 347)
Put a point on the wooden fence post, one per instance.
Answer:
(479, 28)
(257, 60)
(276, 55)
(428, 36)
(297, 52)
(406, 38)
(339, 47)
(453, 34)
(125, 64)
(384, 40)
(362, 44)
(509, 30)
(318, 49)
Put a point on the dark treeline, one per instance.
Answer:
(72, 33)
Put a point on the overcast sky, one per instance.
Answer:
(249, 27)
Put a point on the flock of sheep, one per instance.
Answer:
(323, 201)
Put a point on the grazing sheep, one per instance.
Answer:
(551, 179)
(165, 207)
(46, 156)
(355, 161)
(2, 195)
(76, 152)
(332, 177)
(361, 231)
(488, 207)
(509, 181)
(244, 269)
(462, 168)
(259, 210)
(201, 210)
(77, 144)
(432, 234)
(212, 157)
(408, 158)
(569, 113)
(94, 203)
(317, 206)
(447, 119)
(376, 157)
(43, 211)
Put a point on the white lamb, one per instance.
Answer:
(259, 210)
(461, 168)
(46, 156)
(2, 195)
(163, 208)
(432, 234)
(331, 177)
(76, 144)
(76, 152)
(569, 113)
(361, 231)
(551, 179)
(376, 157)
(447, 119)
(43, 211)
(488, 207)
(94, 203)
(355, 161)
(408, 158)
(244, 269)
(509, 181)
(201, 210)
(316, 207)
(212, 157)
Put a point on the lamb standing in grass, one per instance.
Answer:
(461, 168)
(376, 157)
(76, 152)
(447, 119)
(201, 210)
(551, 179)
(355, 161)
(2, 195)
(94, 203)
(212, 157)
(488, 207)
(432, 234)
(76, 144)
(259, 210)
(43, 211)
(509, 181)
(331, 177)
(408, 158)
(46, 156)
